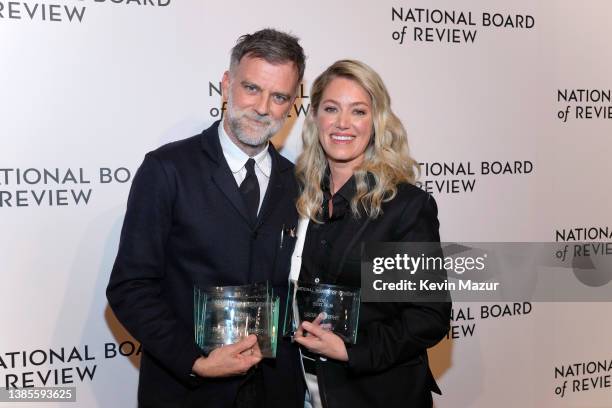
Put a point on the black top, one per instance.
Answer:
(323, 240)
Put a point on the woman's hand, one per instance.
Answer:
(320, 340)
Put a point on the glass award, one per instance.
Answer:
(340, 304)
(224, 315)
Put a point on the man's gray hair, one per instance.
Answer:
(273, 46)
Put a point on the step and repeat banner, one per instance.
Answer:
(508, 107)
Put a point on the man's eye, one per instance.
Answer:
(250, 88)
(280, 98)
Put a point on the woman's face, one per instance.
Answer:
(344, 121)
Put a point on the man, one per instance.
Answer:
(215, 209)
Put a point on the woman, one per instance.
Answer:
(357, 180)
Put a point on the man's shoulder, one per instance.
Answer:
(178, 147)
(184, 148)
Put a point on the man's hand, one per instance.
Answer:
(320, 340)
(228, 361)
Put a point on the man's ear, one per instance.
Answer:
(225, 81)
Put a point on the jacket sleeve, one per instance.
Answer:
(134, 290)
(417, 325)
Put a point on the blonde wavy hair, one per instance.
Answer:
(387, 157)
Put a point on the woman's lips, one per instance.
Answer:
(342, 137)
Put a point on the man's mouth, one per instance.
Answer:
(257, 122)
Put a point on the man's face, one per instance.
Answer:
(259, 95)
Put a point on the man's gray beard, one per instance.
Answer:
(235, 125)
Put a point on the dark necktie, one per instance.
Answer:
(250, 190)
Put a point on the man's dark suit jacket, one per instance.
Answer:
(185, 224)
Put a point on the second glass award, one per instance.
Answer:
(340, 304)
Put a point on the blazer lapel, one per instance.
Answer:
(221, 174)
(223, 178)
(275, 189)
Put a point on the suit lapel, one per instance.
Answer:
(275, 191)
(222, 175)
(223, 178)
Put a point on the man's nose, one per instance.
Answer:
(262, 105)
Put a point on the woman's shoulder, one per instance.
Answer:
(407, 191)
(410, 199)
(414, 213)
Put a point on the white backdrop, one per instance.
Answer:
(88, 97)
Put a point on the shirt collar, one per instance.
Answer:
(347, 191)
(236, 158)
